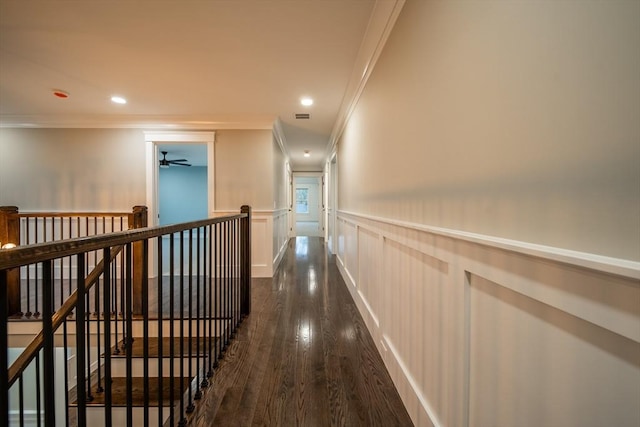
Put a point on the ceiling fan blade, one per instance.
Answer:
(181, 164)
(178, 160)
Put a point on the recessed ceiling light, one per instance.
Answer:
(306, 101)
(118, 100)
(307, 153)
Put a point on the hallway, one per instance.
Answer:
(303, 357)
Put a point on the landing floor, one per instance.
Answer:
(304, 356)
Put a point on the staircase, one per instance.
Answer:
(173, 372)
(149, 360)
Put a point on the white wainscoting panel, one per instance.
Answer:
(369, 283)
(280, 235)
(526, 356)
(477, 331)
(266, 234)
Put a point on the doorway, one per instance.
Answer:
(162, 141)
(182, 186)
(157, 141)
(307, 202)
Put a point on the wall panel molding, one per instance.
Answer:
(268, 239)
(452, 312)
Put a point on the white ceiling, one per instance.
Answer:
(191, 64)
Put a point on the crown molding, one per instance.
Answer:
(278, 134)
(383, 18)
(165, 122)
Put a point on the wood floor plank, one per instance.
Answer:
(304, 356)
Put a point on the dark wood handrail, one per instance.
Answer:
(30, 254)
(22, 362)
(70, 214)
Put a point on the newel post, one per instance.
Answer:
(138, 219)
(245, 253)
(10, 233)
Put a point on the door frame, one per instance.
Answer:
(331, 183)
(153, 141)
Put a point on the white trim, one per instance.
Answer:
(620, 267)
(383, 18)
(281, 139)
(175, 123)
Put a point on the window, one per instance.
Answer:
(302, 200)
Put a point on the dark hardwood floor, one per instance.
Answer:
(303, 357)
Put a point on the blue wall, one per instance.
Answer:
(182, 194)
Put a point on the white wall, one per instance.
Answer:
(105, 170)
(489, 196)
(72, 169)
(244, 169)
(511, 119)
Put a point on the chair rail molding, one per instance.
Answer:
(464, 321)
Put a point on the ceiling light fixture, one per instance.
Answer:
(307, 153)
(306, 101)
(118, 100)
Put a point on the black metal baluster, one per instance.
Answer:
(205, 335)
(190, 406)
(114, 293)
(159, 309)
(223, 284)
(21, 402)
(145, 327)
(236, 272)
(4, 347)
(70, 260)
(96, 294)
(128, 339)
(60, 260)
(28, 313)
(229, 287)
(199, 381)
(87, 327)
(65, 345)
(106, 257)
(81, 413)
(212, 267)
(38, 392)
(234, 278)
(36, 313)
(171, 330)
(48, 348)
(96, 289)
(219, 320)
(114, 300)
(183, 420)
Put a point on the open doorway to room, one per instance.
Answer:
(182, 183)
(307, 204)
(165, 193)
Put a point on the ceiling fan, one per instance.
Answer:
(164, 163)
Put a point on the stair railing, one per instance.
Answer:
(28, 228)
(114, 366)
